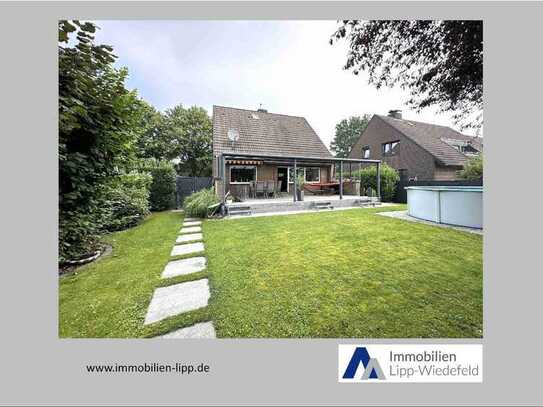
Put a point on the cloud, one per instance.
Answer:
(288, 66)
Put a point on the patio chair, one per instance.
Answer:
(260, 188)
(277, 191)
(270, 188)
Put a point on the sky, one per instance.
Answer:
(287, 66)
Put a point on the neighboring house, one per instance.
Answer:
(260, 132)
(417, 150)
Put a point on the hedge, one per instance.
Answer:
(125, 201)
(163, 186)
(389, 179)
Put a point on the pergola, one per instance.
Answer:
(295, 161)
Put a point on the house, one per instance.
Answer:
(418, 150)
(259, 135)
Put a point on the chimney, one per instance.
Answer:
(397, 114)
(261, 109)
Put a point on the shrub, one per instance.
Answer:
(78, 234)
(124, 201)
(163, 186)
(197, 203)
(389, 179)
(473, 168)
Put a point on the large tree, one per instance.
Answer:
(439, 62)
(189, 134)
(98, 126)
(151, 143)
(347, 133)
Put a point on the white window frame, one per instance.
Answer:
(305, 175)
(292, 169)
(312, 182)
(364, 149)
(242, 166)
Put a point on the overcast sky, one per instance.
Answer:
(288, 66)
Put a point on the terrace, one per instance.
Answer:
(257, 183)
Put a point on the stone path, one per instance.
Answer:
(187, 248)
(191, 229)
(182, 267)
(201, 330)
(176, 299)
(179, 298)
(192, 237)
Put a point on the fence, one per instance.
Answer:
(401, 193)
(184, 186)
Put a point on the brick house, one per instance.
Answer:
(417, 150)
(259, 132)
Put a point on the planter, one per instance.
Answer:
(351, 187)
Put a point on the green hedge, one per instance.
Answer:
(197, 203)
(473, 168)
(389, 180)
(163, 186)
(78, 233)
(125, 201)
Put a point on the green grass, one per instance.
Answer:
(331, 274)
(343, 274)
(109, 298)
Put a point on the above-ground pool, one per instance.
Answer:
(460, 206)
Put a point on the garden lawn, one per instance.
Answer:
(110, 297)
(343, 274)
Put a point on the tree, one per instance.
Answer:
(439, 62)
(189, 134)
(98, 126)
(151, 143)
(347, 133)
(473, 168)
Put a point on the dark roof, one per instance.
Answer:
(431, 138)
(265, 133)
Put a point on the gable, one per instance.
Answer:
(265, 133)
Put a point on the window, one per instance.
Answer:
(366, 152)
(242, 175)
(391, 148)
(313, 174)
(299, 170)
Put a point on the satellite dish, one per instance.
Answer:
(233, 135)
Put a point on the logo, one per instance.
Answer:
(372, 368)
(410, 363)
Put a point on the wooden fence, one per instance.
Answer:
(184, 186)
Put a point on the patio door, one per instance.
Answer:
(282, 176)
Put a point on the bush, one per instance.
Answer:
(473, 168)
(163, 186)
(78, 234)
(197, 203)
(124, 201)
(389, 179)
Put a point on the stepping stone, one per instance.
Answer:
(202, 330)
(193, 223)
(189, 238)
(191, 219)
(188, 248)
(192, 229)
(186, 266)
(176, 299)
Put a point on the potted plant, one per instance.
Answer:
(300, 182)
